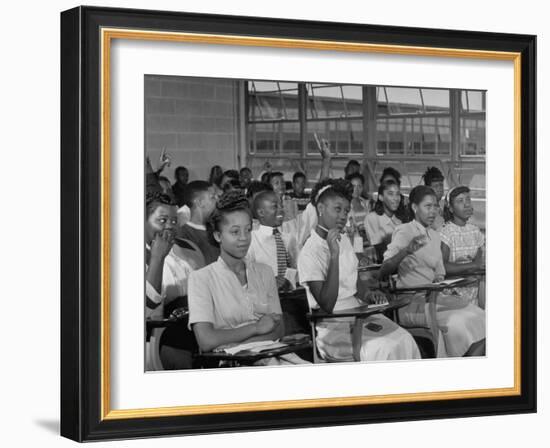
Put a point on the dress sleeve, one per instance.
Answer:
(399, 241)
(201, 305)
(309, 267)
(371, 226)
(444, 235)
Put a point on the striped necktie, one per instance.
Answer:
(282, 261)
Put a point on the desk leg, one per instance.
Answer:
(357, 337)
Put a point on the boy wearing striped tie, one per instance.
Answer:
(270, 245)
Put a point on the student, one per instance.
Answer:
(360, 206)
(233, 300)
(327, 266)
(277, 181)
(166, 187)
(391, 173)
(232, 185)
(353, 167)
(229, 175)
(245, 177)
(215, 177)
(200, 197)
(434, 178)
(462, 243)
(382, 221)
(270, 245)
(166, 279)
(182, 177)
(415, 254)
(298, 193)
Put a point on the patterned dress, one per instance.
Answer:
(464, 243)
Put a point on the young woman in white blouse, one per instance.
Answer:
(388, 213)
(327, 266)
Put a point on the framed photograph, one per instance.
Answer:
(278, 224)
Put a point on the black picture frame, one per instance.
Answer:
(81, 224)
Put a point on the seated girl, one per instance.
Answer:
(415, 254)
(234, 300)
(462, 243)
(360, 206)
(387, 215)
(168, 267)
(327, 267)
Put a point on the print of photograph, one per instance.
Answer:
(304, 223)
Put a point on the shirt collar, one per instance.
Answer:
(267, 230)
(423, 230)
(196, 226)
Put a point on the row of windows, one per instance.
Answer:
(409, 121)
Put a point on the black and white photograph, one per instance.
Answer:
(302, 222)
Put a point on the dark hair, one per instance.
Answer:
(229, 202)
(155, 198)
(258, 198)
(402, 213)
(179, 169)
(194, 189)
(234, 174)
(417, 195)
(432, 174)
(233, 183)
(447, 215)
(256, 187)
(297, 175)
(245, 168)
(338, 187)
(265, 177)
(216, 173)
(379, 205)
(359, 176)
(351, 163)
(276, 174)
(390, 171)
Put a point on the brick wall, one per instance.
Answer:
(195, 119)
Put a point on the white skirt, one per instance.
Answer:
(334, 340)
(461, 323)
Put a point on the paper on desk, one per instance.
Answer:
(450, 281)
(255, 347)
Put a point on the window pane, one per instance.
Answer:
(473, 101)
(403, 100)
(331, 101)
(269, 100)
(472, 136)
(436, 100)
(344, 136)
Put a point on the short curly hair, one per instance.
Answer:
(155, 198)
(229, 202)
(432, 174)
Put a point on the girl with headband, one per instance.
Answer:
(327, 267)
(462, 243)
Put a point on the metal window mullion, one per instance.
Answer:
(302, 118)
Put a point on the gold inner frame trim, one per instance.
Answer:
(107, 35)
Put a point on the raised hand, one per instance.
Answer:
(417, 243)
(164, 160)
(376, 297)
